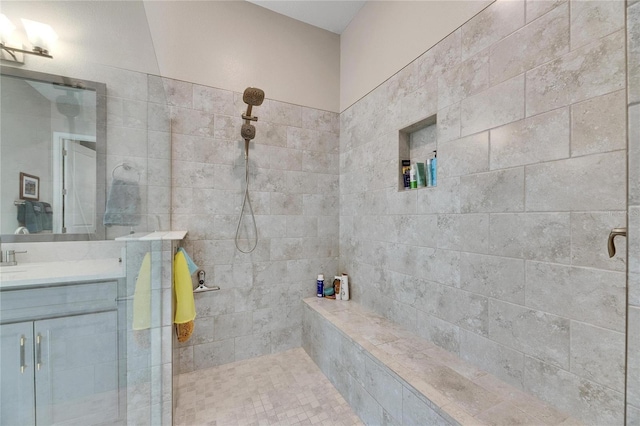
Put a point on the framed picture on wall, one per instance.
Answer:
(29, 187)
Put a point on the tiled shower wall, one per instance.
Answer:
(503, 263)
(633, 329)
(293, 164)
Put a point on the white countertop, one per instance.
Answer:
(37, 274)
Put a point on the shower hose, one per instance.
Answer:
(246, 201)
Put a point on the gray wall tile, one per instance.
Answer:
(498, 277)
(591, 295)
(598, 125)
(544, 137)
(566, 185)
(598, 354)
(539, 42)
(498, 105)
(592, 70)
(491, 25)
(537, 8)
(507, 364)
(498, 191)
(533, 332)
(586, 400)
(538, 236)
(594, 19)
(464, 156)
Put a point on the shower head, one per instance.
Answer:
(253, 96)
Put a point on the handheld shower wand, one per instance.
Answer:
(252, 97)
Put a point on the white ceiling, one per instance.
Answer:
(331, 15)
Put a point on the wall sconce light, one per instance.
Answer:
(41, 37)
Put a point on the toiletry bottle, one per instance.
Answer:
(320, 286)
(429, 172)
(336, 284)
(434, 168)
(344, 287)
(406, 167)
(421, 175)
(412, 177)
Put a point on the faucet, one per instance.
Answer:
(8, 257)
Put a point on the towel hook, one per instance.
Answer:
(127, 167)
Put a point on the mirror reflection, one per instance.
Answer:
(51, 151)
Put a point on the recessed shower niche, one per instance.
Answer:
(417, 150)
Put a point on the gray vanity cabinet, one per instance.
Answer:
(17, 397)
(63, 369)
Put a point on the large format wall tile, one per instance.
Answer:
(498, 191)
(587, 400)
(593, 70)
(464, 80)
(598, 125)
(464, 156)
(591, 20)
(498, 105)
(594, 182)
(537, 8)
(544, 137)
(497, 277)
(536, 236)
(491, 25)
(596, 354)
(535, 333)
(584, 294)
(541, 41)
(504, 362)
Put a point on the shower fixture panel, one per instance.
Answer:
(252, 96)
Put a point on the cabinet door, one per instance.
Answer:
(17, 403)
(77, 369)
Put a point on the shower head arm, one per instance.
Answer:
(249, 117)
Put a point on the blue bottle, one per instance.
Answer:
(320, 292)
(434, 169)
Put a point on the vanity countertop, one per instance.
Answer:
(47, 273)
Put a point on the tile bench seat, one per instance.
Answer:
(391, 376)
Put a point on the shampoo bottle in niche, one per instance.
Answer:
(434, 169)
(412, 177)
(344, 287)
(320, 286)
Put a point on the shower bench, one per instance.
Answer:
(391, 376)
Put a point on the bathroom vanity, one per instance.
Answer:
(59, 342)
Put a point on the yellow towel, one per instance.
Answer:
(142, 296)
(183, 288)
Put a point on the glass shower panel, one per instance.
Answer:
(145, 362)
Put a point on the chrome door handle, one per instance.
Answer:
(612, 235)
(22, 364)
(38, 351)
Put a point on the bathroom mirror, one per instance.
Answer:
(52, 157)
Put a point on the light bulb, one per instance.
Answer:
(41, 36)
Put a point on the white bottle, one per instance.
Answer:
(344, 287)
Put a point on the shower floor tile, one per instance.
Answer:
(280, 389)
